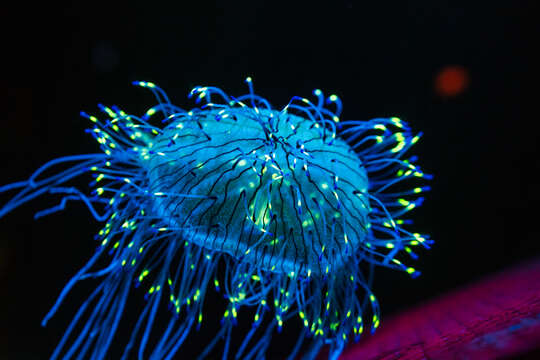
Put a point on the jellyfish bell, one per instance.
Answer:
(257, 196)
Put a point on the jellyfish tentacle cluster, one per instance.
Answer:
(296, 206)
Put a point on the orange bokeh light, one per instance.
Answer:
(451, 80)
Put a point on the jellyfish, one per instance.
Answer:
(285, 213)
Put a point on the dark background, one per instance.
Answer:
(381, 58)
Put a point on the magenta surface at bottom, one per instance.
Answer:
(497, 317)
